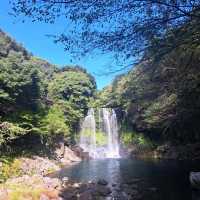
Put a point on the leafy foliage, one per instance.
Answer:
(9, 131)
(19, 84)
(160, 96)
(126, 28)
(72, 89)
(38, 99)
(10, 169)
(54, 122)
(141, 142)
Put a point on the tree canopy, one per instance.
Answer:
(124, 27)
(38, 99)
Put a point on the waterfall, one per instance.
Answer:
(88, 134)
(100, 137)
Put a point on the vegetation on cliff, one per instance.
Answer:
(160, 96)
(38, 100)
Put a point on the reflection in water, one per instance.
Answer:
(170, 177)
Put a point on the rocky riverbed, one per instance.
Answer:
(38, 187)
(35, 181)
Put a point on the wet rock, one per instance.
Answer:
(86, 196)
(134, 186)
(101, 190)
(118, 189)
(128, 191)
(114, 184)
(152, 189)
(135, 193)
(102, 182)
(76, 185)
(68, 196)
(195, 179)
(65, 179)
(133, 181)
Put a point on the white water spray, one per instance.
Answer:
(107, 127)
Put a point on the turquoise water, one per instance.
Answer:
(171, 178)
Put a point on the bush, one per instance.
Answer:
(54, 123)
(141, 142)
(10, 131)
(10, 168)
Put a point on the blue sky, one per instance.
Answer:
(33, 37)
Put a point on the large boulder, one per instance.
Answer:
(195, 180)
(69, 156)
(80, 152)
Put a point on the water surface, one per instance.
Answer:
(169, 177)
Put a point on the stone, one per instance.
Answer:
(3, 194)
(76, 185)
(114, 184)
(69, 155)
(52, 193)
(102, 182)
(65, 179)
(195, 179)
(38, 165)
(153, 189)
(44, 197)
(133, 181)
(102, 190)
(86, 196)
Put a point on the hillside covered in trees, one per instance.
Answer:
(38, 101)
(160, 97)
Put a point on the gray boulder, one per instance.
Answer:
(195, 179)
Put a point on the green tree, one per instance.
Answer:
(72, 88)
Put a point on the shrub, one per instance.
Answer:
(54, 123)
(139, 140)
(10, 131)
(10, 168)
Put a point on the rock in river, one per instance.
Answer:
(195, 179)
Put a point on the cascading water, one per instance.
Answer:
(88, 134)
(100, 137)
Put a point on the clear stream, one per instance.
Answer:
(171, 178)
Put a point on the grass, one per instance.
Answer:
(23, 192)
(10, 168)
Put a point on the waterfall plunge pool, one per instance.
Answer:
(169, 178)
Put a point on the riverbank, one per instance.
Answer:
(102, 179)
(26, 177)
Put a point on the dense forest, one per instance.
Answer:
(38, 100)
(159, 97)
